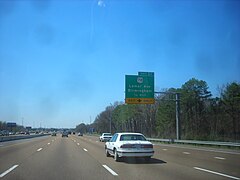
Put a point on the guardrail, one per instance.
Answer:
(212, 143)
(11, 138)
(193, 142)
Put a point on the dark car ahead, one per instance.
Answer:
(80, 134)
(65, 134)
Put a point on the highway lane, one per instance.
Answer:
(84, 158)
(19, 150)
(171, 162)
(60, 160)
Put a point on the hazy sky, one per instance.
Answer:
(64, 61)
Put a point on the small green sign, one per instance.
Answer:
(149, 74)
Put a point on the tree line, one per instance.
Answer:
(202, 116)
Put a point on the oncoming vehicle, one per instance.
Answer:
(4, 133)
(105, 137)
(129, 145)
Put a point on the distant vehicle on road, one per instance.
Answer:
(105, 137)
(4, 133)
(54, 134)
(64, 134)
(129, 145)
(80, 134)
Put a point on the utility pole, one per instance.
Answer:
(22, 121)
(178, 125)
(178, 122)
(110, 128)
(111, 124)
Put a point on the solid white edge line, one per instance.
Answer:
(39, 149)
(8, 171)
(217, 173)
(110, 170)
(85, 149)
(221, 158)
(199, 149)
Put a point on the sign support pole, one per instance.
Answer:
(178, 125)
(178, 122)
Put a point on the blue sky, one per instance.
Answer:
(62, 62)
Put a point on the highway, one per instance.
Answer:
(77, 157)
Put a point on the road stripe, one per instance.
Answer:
(85, 149)
(8, 171)
(110, 170)
(78, 144)
(217, 173)
(52, 140)
(74, 140)
(186, 153)
(39, 149)
(48, 143)
(221, 158)
(164, 149)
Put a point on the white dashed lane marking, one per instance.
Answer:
(186, 153)
(85, 149)
(39, 149)
(78, 144)
(110, 170)
(164, 149)
(48, 143)
(8, 171)
(221, 158)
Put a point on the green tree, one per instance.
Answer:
(81, 128)
(231, 103)
(194, 96)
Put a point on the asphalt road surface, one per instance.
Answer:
(58, 158)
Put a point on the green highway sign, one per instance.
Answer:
(149, 74)
(139, 89)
